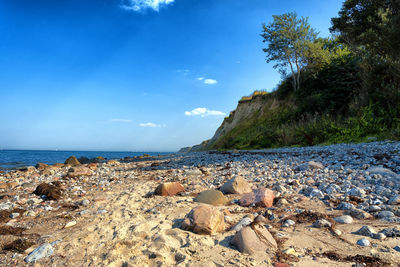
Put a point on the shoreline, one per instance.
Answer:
(111, 217)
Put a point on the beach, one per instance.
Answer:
(332, 205)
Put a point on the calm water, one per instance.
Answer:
(10, 159)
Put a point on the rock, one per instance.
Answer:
(169, 189)
(280, 264)
(345, 206)
(288, 223)
(14, 215)
(358, 214)
(337, 232)
(212, 197)
(395, 200)
(250, 240)
(397, 248)
(51, 192)
(345, 219)
(363, 242)
(379, 236)
(311, 165)
(385, 214)
(79, 171)
(290, 251)
(321, 223)
(237, 185)
(262, 197)
(366, 231)
(243, 223)
(84, 202)
(43, 251)
(72, 161)
(41, 166)
(383, 172)
(70, 224)
(391, 232)
(357, 192)
(204, 219)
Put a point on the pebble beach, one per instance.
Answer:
(336, 205)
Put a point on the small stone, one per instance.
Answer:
(379, 236)
(345, 219)
(345, 206)
(337, 232)
(363, 242)
(366, 231)
(70, 224)
(290, 251)
(14, 215)
(84, 202)
(288, 223)
(395, 200)
(237, 185)
(262, 197)
(321, 223)
(254, 239)
(358, 214)
(397, 248)
(204, 219)
(72, 161)
(212, 197)
(169, 189)
(79, 171)
(243, 223)
(43, 251)
(385, 214)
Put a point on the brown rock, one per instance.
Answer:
(72, 161)
(113, 162)
(41, 166)
(79, 171)
(169, 189)
(212, 197)
(92, 166)
(51, 192)
(254, 239)
(58, 165)
(237, 185)
(204, 219)
(280, 264)
(261, 197)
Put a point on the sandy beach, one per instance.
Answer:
(108, 214)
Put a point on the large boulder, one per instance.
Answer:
(72, 161)
(262, 197)
(79, 171)
(169, 189)
(212, 197)
(252, 239)
(204, 219)
(237, 185)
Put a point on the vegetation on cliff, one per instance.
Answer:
(348, 91)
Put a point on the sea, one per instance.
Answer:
(13, 159)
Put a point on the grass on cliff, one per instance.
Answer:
(338, 103)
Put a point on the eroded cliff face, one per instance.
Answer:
(244, 110)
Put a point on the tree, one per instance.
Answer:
(289, 40)
(370, 25)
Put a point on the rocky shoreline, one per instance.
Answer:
(333, 205)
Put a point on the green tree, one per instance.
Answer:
(370, 25)
(289, 39)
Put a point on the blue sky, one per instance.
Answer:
(133, 75)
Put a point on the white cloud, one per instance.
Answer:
(203, 112)
(151, 125)
(210, 81)
(121, 120)
(140, 5)
(200, 78)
